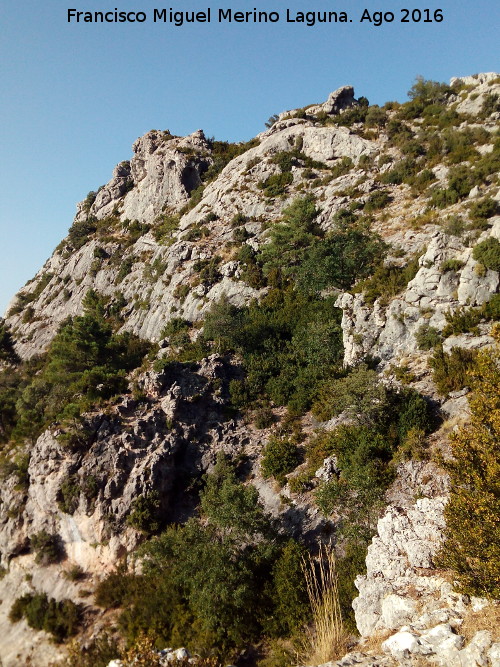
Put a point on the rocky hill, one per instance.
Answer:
(294, 316)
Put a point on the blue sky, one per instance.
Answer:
(76, 96)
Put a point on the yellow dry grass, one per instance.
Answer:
(327, 638)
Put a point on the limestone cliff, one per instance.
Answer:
(162, 241)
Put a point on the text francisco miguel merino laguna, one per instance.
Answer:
(219, 15)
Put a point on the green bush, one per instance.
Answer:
(61, 619)
(488, 253)
(427, 337)
(280, 457)
(472, 545)
(454, 225)
(222, 152)
(208, 583)
(360, 393)
(85, 363)
(491, 104)
(379, 199)
(125, 268)
(47, 547)
(68, 496)
(363, 455)
(451, 265)
(290, 595)
(288, 343)
(7, 350)
(483, 209)
(275, 185)
(164, 227)
(145, 513)
(462, 321)
(451, 369)
(387, 281)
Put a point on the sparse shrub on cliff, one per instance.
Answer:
(451, 369)
(98, 652)
(60, 619)
(85, 363)
(488, 253)
(483, 209)
(275, 185)
(378, 200)
(68, 496)
(387, 281)
(428, 337)
(281, 456)
(452, 265)
(7, 350)
(47, 546)
(472, 545)
(491, 104)
(164, 227)
(144, 515)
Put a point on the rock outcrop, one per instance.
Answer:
(166, 239)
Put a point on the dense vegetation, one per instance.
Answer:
(60, 619)
(85, 364)
(472, 546)
(291, 339)
(217, 582)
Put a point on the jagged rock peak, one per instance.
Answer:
(337, 102)
(162, 173)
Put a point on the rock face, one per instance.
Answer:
(162, 173)
(165, 239)
(402, 591)
(389, 332)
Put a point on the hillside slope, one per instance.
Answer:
(294, 316)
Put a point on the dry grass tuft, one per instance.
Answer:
(327, 638)
(485, 619)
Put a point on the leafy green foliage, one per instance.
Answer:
(86, 363)
(472, 545)
(488, 253)
(428, 337)
(69, 494)
(340, 259)
(379, 199)
(164, 227)
(230, 505)
(275, 185)
(451, 265)
(23, 299)
(213, 582)
(483, 209)
(465, 320)
(60, 619)
(47, 547)
(387, 281)
(289, 594)
(144, 515)
(281, 456)
(360, 393)
(288, 343)
(363, 455)
(222, 153)
(7, 351)
(450, 369)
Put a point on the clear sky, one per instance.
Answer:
(76, 96)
